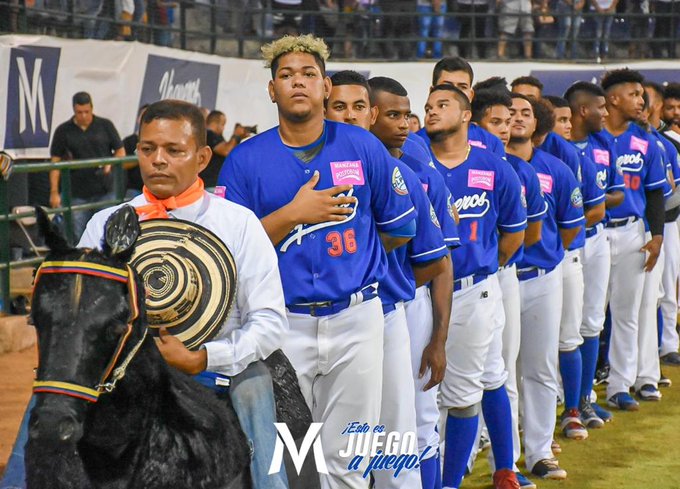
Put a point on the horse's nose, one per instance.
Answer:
(54, 427)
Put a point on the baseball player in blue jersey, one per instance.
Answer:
(587, 103)
(540, 276)
(457, 72)
(491, 110)
(416, 264)
(487, 194)
(633, 253)
(336, 203)
(571, 362)
(429, 313)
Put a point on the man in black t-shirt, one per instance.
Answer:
(85, 136)
(220, 147)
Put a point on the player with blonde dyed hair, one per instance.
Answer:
(332, 201)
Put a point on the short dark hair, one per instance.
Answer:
(545, 119)
(386, 84)
(493, 83)
(616, 77)
(177, 110)
(654, 86)
(582, 86)
(350, 77)
(82, 98)
(214, 116)
(485, 99)
(451, 64)
(556, 102)
(645, 100)
(527, 80)
(672, 90)
(460, 96)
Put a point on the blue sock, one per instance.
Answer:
(438, 474)
(428, 472)
(571, 367)
(589, 350)
(605, 337)
(659, 324)
(496, 408)
(461, 434)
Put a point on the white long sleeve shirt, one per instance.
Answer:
(257, 321)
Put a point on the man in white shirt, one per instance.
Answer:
(172, 151)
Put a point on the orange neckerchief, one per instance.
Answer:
(158, 208)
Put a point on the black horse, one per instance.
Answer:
(157, 428)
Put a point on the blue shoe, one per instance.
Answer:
(602, 413)
(524, 482)
(624, 402)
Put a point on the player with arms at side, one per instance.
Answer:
(487, 193)
(331, 211)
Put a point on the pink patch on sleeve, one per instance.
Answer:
(220, 191)
(425, 186)
(638, 144)
(546, 182)
(481, 179)
(477, 144)
(347, 172)
(601, 156)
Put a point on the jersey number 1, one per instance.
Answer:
(337, 240)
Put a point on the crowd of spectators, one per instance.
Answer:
(388, 29)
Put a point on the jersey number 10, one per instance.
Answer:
(341, 242)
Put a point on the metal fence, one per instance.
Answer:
(369, 29)
(7, 262)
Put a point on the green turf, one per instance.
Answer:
(635, 451)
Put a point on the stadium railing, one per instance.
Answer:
(7, 216)
(206, 25)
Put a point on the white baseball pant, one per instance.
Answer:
(626, 284)
(648, 369)
(398, 411)
(541, 312)
(572, 302)
(420, 323)
(669, 302)
(474, 346)
(596, 256)
(338, 360)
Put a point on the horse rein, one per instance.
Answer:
(125, 276)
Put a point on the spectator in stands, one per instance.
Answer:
(221, 148)
(664, 24)
(472, 26)
(637, 18)
(398, 23)
(431, 26)
(162, 17)
(529, 86)
(84, 136)
(414, 123)
(286, 17)
(569, 15)
(134, 183)
(514, 15)
(606, 10)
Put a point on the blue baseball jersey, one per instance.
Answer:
(639, 159)
(488, 196)
(399, 284)
(439, 196)
(565, 210)
(416, 147)
(531, 194)
(478, 137)
(560, 148)
(327, 261)
(669, 156)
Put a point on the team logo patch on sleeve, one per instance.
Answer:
(449, 206)
(601, 156)
(347, 172)
(523, 196)
(433, 217)
(481, 179)
(577, 198)
(638, 144)
(602, 179)
(398, 183)
(546, 182)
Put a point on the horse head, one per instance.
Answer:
(89, 323)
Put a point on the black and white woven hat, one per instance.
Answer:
(190, 279)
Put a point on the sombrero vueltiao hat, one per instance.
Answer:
(190, 279)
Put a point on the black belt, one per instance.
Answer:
(624, 222)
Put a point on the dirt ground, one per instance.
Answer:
(16, 377)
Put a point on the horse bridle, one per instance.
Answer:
(125, 276)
